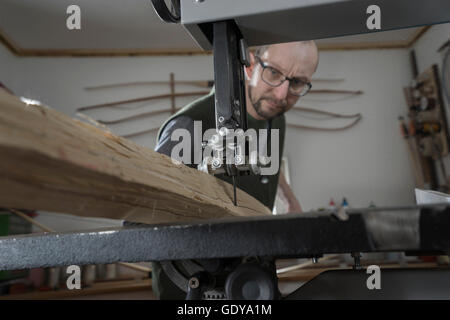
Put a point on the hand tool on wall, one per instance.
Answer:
(431, 146)
(428, 123)
(413, 152)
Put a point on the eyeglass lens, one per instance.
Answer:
(275, 78)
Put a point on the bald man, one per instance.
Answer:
(277, 77)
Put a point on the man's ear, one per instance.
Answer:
(249, 70)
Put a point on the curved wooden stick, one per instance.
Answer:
(358, 117)
(201, 83)
(336, 91)
(152, 113)
(137, 116)
(337, 115)
(161, 96)
(300, 126)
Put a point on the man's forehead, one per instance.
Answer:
(291, 58)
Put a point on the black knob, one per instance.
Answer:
(250, 281)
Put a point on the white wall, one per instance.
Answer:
(9, 67)
(367, 162)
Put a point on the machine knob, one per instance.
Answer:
(250, 281)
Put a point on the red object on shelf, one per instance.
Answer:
(428, 258)
(18, 288)
(331, 203)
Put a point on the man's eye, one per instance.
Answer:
(273, 72)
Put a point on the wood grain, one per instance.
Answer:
(49, 161)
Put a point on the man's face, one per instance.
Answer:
(266, 102)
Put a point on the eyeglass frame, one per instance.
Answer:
(265, 65)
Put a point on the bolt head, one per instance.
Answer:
(216, 163)
(264, 160)
(215, 138)
(223, 131)
(194, 283)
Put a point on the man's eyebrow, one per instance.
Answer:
(302, 78)
(276, 66)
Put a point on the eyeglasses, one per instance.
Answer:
(275, 78)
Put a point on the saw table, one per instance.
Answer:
(227, 254)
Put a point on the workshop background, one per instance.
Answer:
(368, 163)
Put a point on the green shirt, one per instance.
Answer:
(203, 110)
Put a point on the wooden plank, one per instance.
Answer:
(96, 289)
(49, 161)
(417, 35)
(310, 273)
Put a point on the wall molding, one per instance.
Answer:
(21, 52)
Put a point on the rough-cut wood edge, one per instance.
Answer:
(49, 161)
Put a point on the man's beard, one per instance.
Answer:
(257, 105)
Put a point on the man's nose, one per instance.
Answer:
(281, 91)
